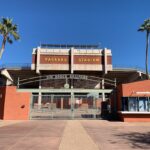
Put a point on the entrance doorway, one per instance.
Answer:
(65, 106)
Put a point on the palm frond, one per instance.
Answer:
(141, 29)
(145, 26)
(9, 40)
(15, 35)
(1, 26)
(7, 21)
(7, 28)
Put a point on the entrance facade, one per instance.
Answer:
(67, 96)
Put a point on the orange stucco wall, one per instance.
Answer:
(16, 105)
(129, 90)
(135, 117)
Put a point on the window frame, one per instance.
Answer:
(125, 104)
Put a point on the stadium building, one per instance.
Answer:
(73, 82)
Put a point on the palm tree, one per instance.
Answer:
(8, 30)
(146, 27)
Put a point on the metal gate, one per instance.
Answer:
(68, 106)
(87, 107)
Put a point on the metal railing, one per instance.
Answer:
(80, 46)
(28, 66)
(16, 66)
(129, 67)
(66, 77)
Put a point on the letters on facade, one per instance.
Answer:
(67, 76)
(88, 59)
(55, 59)
(64, 60)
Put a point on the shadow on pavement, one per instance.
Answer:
(137, 140)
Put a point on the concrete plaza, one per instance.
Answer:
(74, 135)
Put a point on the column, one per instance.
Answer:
(105, 60)
(103, 83)
(72, 60)
(72, 105)
(52, 106)
(39, 100)
(94, 106)
(38, 60)
(103, 87)
(39, 96)
(103, 96)
(62, 103)
(72, 65)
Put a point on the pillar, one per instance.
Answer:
(72, 65)
(72, 105)
(72, 60)
(103, 96)
(39, 99)
(38, 60)
(105, 60)
(103, 84)
(62, 103)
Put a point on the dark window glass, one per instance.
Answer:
(124, 104)
(132, 103)
(148, 104)
(143, 104)
(140, 104)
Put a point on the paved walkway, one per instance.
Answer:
(32, 135)
(119, 135)
(76, 138)
(9, 122)
(74, 135)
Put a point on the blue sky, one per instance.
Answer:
(112, 23)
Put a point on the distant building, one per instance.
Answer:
(73, 81)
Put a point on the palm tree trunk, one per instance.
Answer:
(146, 61)
(2, 48)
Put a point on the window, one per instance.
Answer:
(132, 103)
(143, 104)
(125, 103)
(148, 104)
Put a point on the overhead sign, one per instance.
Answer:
(65, 59)
(67, 76)
(54, 59)
(79, 59)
